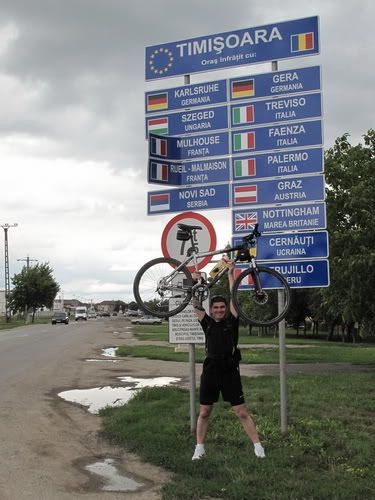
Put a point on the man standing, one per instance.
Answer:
(221, 367)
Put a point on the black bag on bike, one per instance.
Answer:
(182, 235)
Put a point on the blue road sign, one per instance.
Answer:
(188, 122)
(189, 148)
(296, 189)
(276, 109)
(298, 274)
(297, 217)
(181, 200)
(274, 164)
(186, 96)
(287, 246)
(270, 42)
(288, 135)
(189, 172)
(290, 81)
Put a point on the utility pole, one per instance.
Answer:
(27, 260)
(7, 281)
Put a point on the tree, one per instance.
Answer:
(350, 175)
(33, 287)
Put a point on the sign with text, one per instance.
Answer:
(189, 172)
(188, 122)
(184, 328)
(186, 96)
(288, 246)
(291, 162)
(290, 81)
(269, 42)
(189, 148)
(297, 217)
(182, 200)
(288, 135)
(288, 190)
(298, 274)
(276, 109)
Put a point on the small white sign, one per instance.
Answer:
(184, 328)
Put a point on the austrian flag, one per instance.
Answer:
(158, 146)
(245, 194)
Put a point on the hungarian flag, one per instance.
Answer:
(243, 88)
(156, 102)
(301, 42)
(159, 171)
(243, 114)
(245, 140)
(244, 168)
(159, 202)
(158, 125)
(244, 194)
(158, 146)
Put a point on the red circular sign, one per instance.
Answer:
(206, 238)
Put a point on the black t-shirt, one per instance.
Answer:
(221, 336)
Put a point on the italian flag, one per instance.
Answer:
(244, 168)
(243, 114)
(158, 126)
(244, 141)
(245, 194)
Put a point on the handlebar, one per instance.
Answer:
(254, 233)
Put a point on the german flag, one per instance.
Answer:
(302, 41)
(155, 102)
(243, 88)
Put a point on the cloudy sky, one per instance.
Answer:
(72, 149)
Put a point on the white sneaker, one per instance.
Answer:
(199, 452)
(259, 450)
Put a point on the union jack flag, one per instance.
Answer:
(244, 221)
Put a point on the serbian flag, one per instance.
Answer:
(158, 146)
(156, 102)
(301, 42)
(244, 194)
(159, 202)
(158, 125)
(159, 171)
(243, 89)
(244, 168)
(244, 141)
(243, 114)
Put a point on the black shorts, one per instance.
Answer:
(220, 376)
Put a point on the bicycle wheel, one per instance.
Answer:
(255, 296)
(159, 294)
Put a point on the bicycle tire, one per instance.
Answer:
(249, 304)
(145, 288)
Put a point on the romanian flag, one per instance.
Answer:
(244, 168)
(243, 89)
(158, 125)
(301, 42)
(156, 102)
(158, 146)
(243, 114)
(245, 194)
(159, 171)
(244, 141)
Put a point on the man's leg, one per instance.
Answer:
(249, 426)
(202, 424)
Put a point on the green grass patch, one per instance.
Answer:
(328, 353)
(327, 454)
(15, 323)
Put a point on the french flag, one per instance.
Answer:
(159, 171)
(159, 202)
(158, 146)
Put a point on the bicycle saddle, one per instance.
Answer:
(186, 227)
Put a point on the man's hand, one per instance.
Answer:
(196, 275)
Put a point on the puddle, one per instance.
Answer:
(116, 481)
(110, 352)
(104, 360)
(99, 397)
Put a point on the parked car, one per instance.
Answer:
(105, 314)
(147, 320)
(60, 317)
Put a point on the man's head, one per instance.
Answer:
(218, 307)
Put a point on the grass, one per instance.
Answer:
(326, 353)
(327, 454)
(14, 323)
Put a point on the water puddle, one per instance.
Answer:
(115, 481)
(104, 360)
(110, 352)
(99, 397)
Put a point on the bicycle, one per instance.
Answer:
(162, 292)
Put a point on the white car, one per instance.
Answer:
(147, 320)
